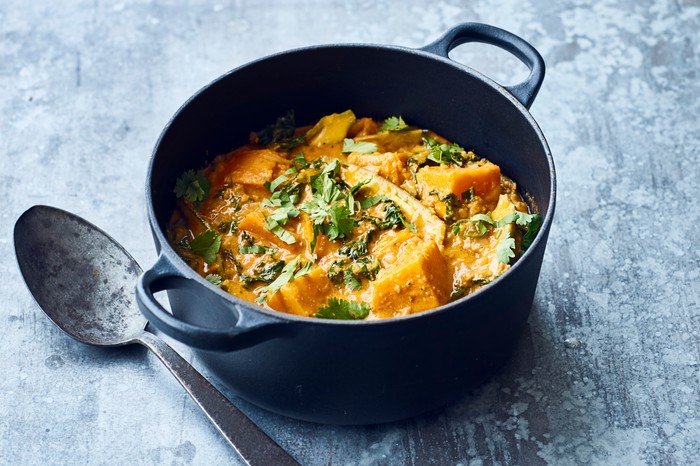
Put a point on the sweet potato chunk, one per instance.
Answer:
(252, 167)
(304, 295)
(419, 280)
(485, 179)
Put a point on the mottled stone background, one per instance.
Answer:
(608, 370)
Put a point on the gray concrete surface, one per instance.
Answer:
(608, 370)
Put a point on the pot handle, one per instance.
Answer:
(164, 276)
(525, 91)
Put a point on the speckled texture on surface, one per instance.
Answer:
(608, 371)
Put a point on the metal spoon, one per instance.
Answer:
(84, 281)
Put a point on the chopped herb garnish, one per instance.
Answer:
(256, 249)
(444, 154)
(352, 273)
(358, 247)
(476, 225)
(193, 186)
(341, 223)
(278, 231)
(272, 185)
(329, 210)
(505, 250)
(394, 124)
(368, 202)
(267, 271)
(529, 221)
(450, 201)
(227, 227)
(283, 128)
(344, 310)
(352, 282)
(394, 217)
(214, 279)
(291, 143)
(468, 195)
(362, 147)
(299, 161)
(206, 244)
(280, 216)
(289, 273)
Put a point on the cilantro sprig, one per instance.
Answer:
(505, 250)
(478, 225)
(394, 124)
(332, 206)
(206, 245)
(193, 186)
(444, 154)
(283, 201)
(341, 309)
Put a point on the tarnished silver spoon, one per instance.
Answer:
(84, 281)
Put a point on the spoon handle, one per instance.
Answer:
(251, 443)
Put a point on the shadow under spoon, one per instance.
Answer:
(84, 281)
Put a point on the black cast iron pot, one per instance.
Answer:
(354, 372)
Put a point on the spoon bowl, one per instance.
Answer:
(80, 277)
(84, 281)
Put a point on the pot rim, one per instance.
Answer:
(167, 251)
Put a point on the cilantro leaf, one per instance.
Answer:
(352, 282)
(505, 250)
(394, 217)
(280, 216)
(393, 124)
(532, 227)
(255, 249)
(274, 184)
(299, 161)
(214, 279)
(476, 222)
(265, 271)
(530, 221)
(362, 147)
(344, 310)
(358, 247)
(326, 209)
(341, 222)
(444, 154)
(193, 186)
(368, 202)
(278, 231)
(206, 244)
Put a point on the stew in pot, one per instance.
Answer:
(350, 218)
